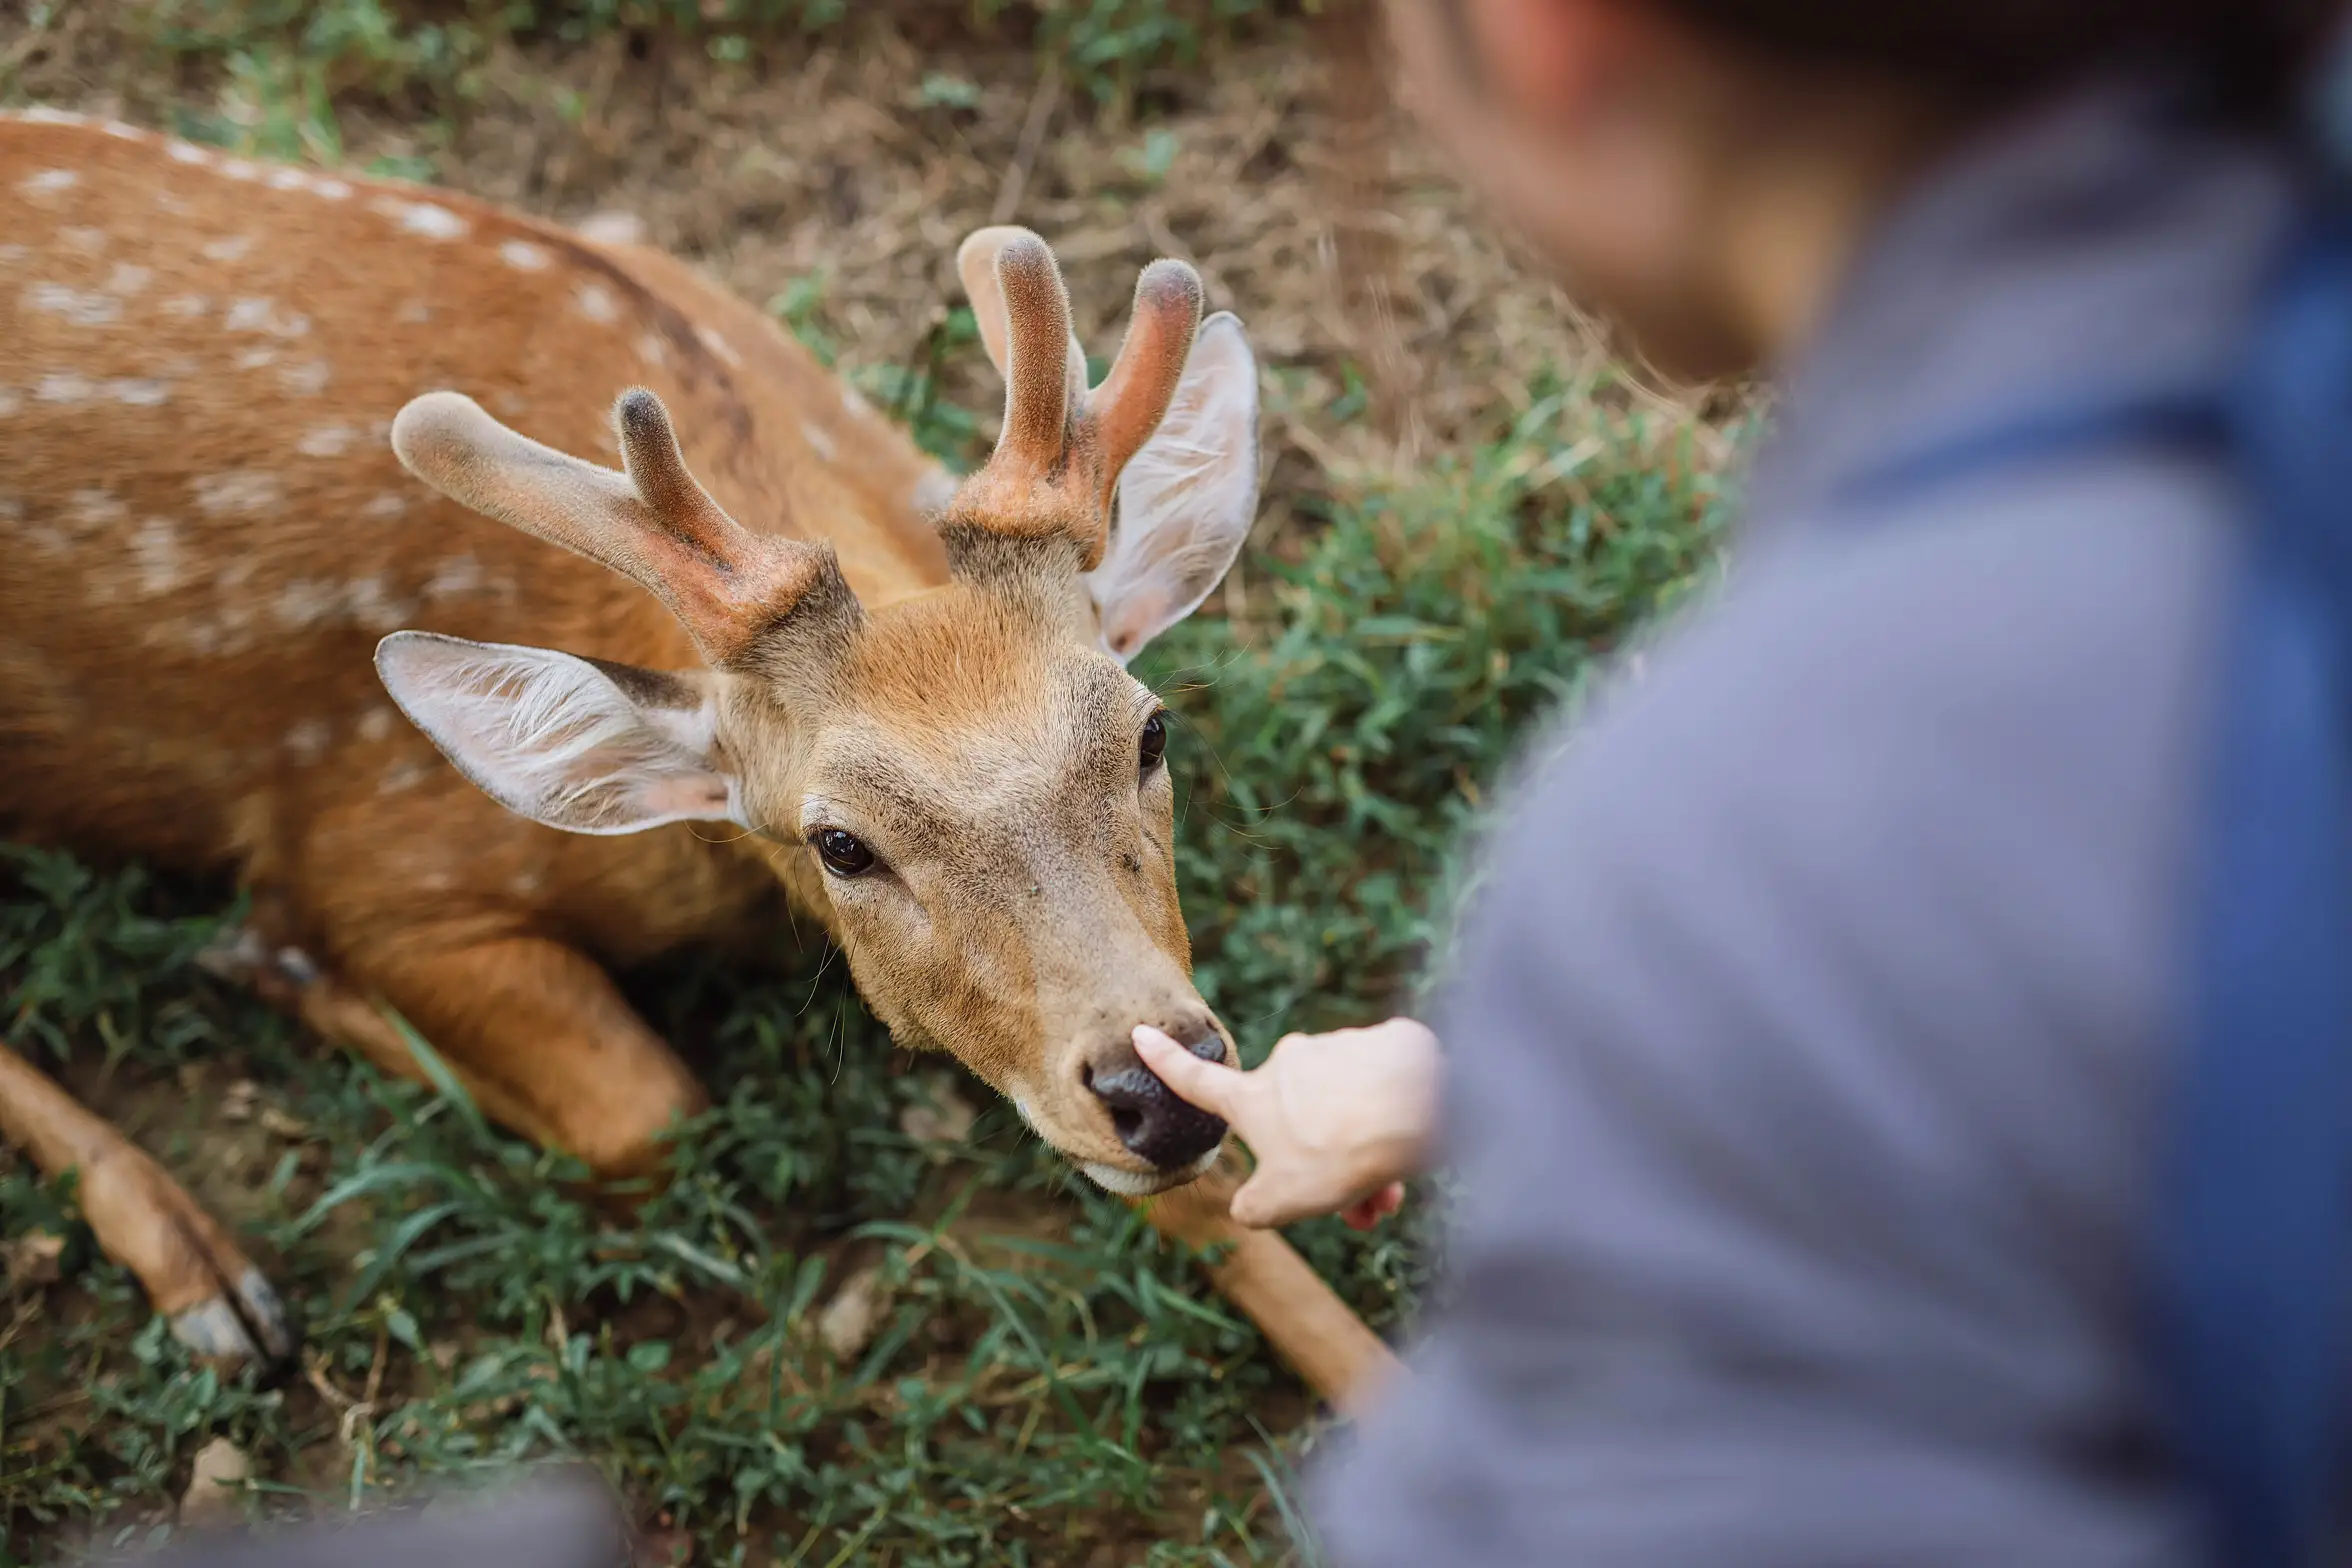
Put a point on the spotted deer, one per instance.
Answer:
(773, 648)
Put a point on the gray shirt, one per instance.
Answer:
(1810, 1043)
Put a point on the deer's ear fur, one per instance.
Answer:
(1187, 499)
(578, 744)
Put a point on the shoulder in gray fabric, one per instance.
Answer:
(1809, 1039)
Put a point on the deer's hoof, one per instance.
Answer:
(246, 1324)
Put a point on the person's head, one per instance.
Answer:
(1699, 169)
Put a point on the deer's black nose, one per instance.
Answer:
(1157, 1127)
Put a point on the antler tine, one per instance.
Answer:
(1134, 397)
(976, 268)
(655, 524)
(1057, 465)
(1037, 383)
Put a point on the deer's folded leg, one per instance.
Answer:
(534, 1030)
(218, 1302)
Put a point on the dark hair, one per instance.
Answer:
(2252, 50)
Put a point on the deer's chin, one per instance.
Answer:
(1145, 1184)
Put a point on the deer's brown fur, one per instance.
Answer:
(205, 368)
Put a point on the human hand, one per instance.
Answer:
(1335, 1120)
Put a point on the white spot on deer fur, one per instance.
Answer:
(239, 491)
(596, 302)
(524, 883)
(42, 114)
(240, 169)
(718, 345)
(11, 400)
(332, 190)
(404, 776)
(523, 257)
(326, 441)
(820, 442)
(265, 315)
(256, 358)
(68, 387)
(390, 504)
(83, 309)
(414, 312)
(48, 182)
(174, 205)
(855, 401)
(310, 601)
(234, 248)
(10, 255)
(284, 179)
(197, 636)
(367, 603)
(123, 133)
(307, 601)
(188, 152)
(653, 350)
(156, 549)
(92, 509)
(186, 306)
(88, 241)
(423, 217)
(308, 379)
(375, 724)
(128, 279)
(457, 575)
(308, 740)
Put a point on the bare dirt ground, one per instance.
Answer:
(851, 166)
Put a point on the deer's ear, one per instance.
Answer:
(577, 744)
(1186, 500)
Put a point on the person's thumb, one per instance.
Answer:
(1256, 1204)
(1213, 1086)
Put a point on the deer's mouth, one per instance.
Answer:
(1146, 1184)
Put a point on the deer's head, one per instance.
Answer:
(967, 782)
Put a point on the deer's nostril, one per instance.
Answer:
(1151, 1121)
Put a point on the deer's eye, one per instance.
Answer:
(844, 854)
(1154, 744)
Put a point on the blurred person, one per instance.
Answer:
(558, 1517)
(1896, 1065)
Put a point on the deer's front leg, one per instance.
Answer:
(536, 1032)
(218, 1302)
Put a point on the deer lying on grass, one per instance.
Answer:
(902, 699)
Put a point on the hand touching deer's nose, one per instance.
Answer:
(1156, 1125)
(1336, 1120)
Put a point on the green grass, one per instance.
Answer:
(1028, 1397)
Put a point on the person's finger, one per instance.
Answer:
(1257, 1206)
(1212, 1086)
(1367, 1212)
